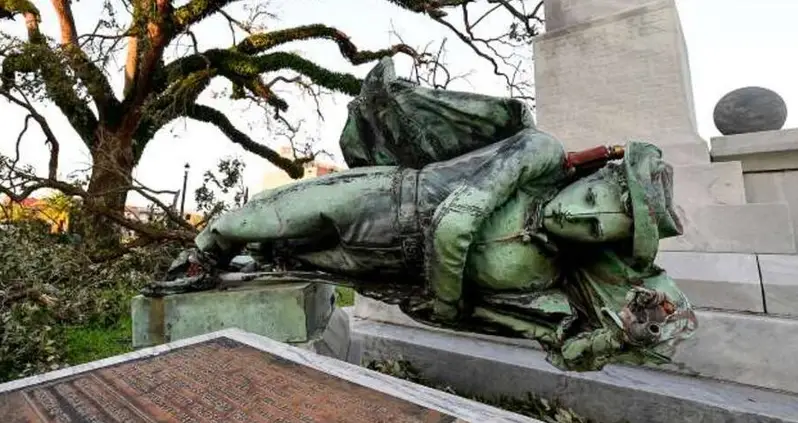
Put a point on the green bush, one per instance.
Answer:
(50, 290)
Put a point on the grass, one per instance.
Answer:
(94, 341)
(344, 297)
(97, 341)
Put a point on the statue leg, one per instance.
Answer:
(303, 209)
(299, 210)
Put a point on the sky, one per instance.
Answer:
(731, 44)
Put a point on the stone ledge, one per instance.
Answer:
(369, 309)
(764, 228)
(729, 346)
(759, 151)
(617, 393)
(779, 141)
(780, 283)
(296, 313)
(727, 281)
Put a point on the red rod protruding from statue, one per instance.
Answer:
(594, 157)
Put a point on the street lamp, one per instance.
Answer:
(183, 194)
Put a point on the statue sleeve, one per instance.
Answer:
(524, 159)
(588, 351)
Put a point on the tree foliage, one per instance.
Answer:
(73, 71)
(49, 282)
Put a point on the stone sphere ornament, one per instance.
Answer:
(750, 109)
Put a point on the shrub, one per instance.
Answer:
(48, 283)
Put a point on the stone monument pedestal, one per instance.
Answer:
(295, 313)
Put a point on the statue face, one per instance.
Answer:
(591, 209)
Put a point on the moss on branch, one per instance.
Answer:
(237, 66)
(12, 7)
(195, 11)
(262, 42)
(35, 56)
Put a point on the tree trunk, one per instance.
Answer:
(111, 174)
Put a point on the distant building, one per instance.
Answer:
(276, 177)
(50, 211)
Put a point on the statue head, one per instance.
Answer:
(630, 200)
(592, 209)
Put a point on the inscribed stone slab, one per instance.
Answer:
(231, 376)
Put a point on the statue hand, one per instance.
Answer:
(444, 311)
(190, 263)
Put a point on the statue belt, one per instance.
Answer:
(411, 223)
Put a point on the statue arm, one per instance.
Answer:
(522, 160)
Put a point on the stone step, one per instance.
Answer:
(728, 281)
(751, 349)
(780, 283)
(746, 348)
(764, 228)
(617, 393)
(765, 283)
(708, 184)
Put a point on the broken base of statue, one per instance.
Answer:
(493, 367)
(296, 313)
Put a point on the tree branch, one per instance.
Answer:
(195, 11)
(259, 43)
(144, 229)
(93, 78)
(237, 66)
(37, 56)
(215, 117)
(52, 141)
(156, 23)
(242, 62)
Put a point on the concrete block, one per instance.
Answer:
(749, 228)
(716, 280)
(742, 348)
(336, 341)
(615, 394)
(757, 350)
(780, 282)
(779, 141)
(708, 184)
(760, 151)
(564, 13)
(683, 149)
(775, 187)
(619, 78)
(295, 313)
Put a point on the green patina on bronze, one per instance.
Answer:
(461, 212)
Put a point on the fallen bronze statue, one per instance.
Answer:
(462, 213)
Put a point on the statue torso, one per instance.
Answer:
(506, 254)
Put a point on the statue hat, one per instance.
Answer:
(649, 181)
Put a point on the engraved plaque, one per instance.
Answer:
(220, 380)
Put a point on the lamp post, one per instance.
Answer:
(183, 193)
